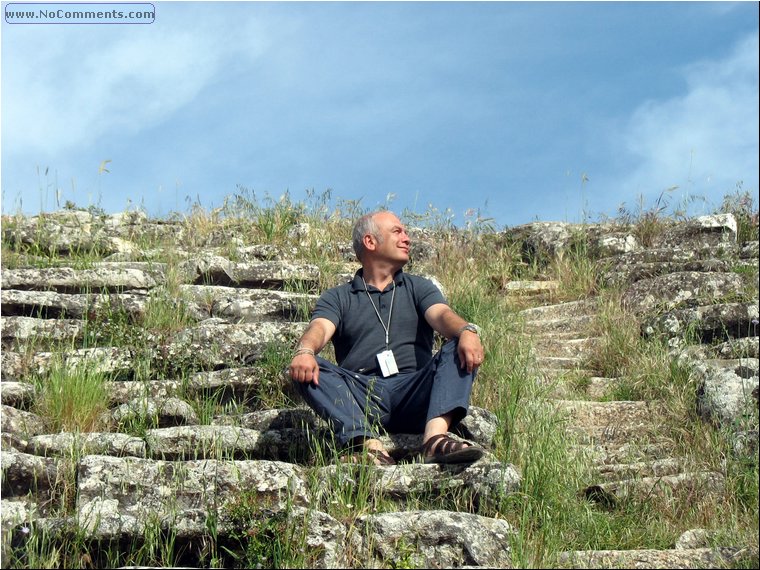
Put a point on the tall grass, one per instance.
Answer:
(549, 512)
(73, 399)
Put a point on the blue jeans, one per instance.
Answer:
(357, 405)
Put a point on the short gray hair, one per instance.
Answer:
(363, 226)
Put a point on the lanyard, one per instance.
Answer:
(387, 328)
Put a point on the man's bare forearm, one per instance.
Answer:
(446, 322)
(316, 336)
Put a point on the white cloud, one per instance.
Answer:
(704, 141)
(78, 87)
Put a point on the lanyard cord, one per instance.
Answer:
(390, 312)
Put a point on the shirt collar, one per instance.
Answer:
(357, 284)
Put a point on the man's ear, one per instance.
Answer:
(370, 243)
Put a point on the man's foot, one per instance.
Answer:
(378, 457)
(369, 451)
(443, 449)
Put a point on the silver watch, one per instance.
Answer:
(472, 327)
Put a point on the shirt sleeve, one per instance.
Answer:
(329, 307)
(427, 294)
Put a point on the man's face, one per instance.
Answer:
(395, 242)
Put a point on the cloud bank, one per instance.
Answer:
(704, 141)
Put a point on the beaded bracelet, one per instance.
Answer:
(304, 350)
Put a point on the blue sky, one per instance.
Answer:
(526, 111)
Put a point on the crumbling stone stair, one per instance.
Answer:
(631, 459)
(185, 473)
(183, 476)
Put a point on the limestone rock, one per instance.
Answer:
(216, 442)
(65, 279)
(24, 473)
(68, 444)
(695, 538)
(247, 305)
(541, 239)
(728, 390)
(327, 541)
(20, 422)
(17, 394)
(663, 486)
(28, 329)
(707, 323)
(163, 412)
(710, 230)
(53, 305)
(650, 558)
(214, 343)
(120, 497)
(666, 292)
(437, 539)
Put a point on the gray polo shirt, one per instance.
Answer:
(359, 336)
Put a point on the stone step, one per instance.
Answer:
(561, 310)
(667, 292)
(31, 330)
(228, 442)
(116, 361)
(578, 386)
(215, 270)
(560, 375)
(243, 305)
(694, 485)
(559, 363)
(17, 394)
(67, 444)
(119, 497)
(215, 344)
(606, 422)
(70, 231)
(23, 473)
(565, 347)
(599, 387)
(111, 277)
(529, 288)
(603, 454)
(229, 384)
(290, 434)
(721, 557)
(625, 275)
(709, 323)
(579, 325)
(209, 484)
(54, 305)
(211, 344)
(656, 468)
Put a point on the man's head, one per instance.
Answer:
(381, 235)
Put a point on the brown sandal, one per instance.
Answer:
(450, 450)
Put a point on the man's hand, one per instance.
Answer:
(304, 369)
(471, 351)
(449, 324)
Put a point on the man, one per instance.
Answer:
(381, 325)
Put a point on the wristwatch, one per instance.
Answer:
(472, 327)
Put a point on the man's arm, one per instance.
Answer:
(447, 323)
(304, 367)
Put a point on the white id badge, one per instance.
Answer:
(387, 363)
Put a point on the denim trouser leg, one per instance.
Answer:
(349, 401)
(439, 388)
(359, 405)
